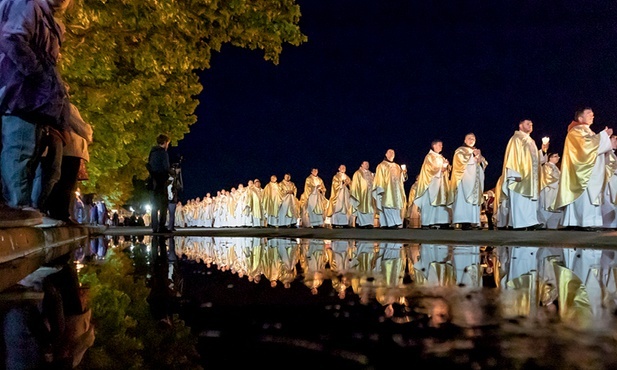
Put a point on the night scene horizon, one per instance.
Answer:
(398, 74)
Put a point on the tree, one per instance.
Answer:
(132, 67)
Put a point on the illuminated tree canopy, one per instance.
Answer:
(132, 67)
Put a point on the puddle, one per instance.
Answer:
(370, 304)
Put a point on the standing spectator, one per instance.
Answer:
(74, 152)
(432, 190)
(518, 188)
(361, 199)
(94, 214)
(80, 213)
(32, 97)
(159, 169)
(339, 206)
(389, 192)
(467, 184)
(583, 173)
(102, 213)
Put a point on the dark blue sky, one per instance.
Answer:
(396, 74)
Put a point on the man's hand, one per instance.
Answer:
(609, 131)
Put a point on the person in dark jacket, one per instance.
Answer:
(33, 98)
(159, 169)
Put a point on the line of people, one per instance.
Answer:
(356, 201)
(533, 191)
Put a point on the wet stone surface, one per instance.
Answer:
(405, 308)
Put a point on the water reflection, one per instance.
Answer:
(364, 298)
(576, 286)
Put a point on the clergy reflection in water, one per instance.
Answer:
(573, 285)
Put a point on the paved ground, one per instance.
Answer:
(542, 238)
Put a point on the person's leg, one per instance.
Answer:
(19, 143)
(162, 204)
(154, 213)
(51, 166)
(171, 207)
(59, 200)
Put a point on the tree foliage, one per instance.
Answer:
(132, 67)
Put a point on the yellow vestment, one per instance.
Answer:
(521, 156)
(433, 164)
(390, 177)
(580, 151)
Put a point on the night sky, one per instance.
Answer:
(397, 74)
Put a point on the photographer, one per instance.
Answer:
(159, 170)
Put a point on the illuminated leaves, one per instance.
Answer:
(132, 67)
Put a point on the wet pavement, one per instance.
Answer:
(394, 297)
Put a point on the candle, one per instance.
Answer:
(545, 140)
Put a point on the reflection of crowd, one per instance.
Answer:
(572, 284)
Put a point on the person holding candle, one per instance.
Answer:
(339, 206)
(389, 192)
(432, 191)
(518, 187)
(549, 182)
(467, 184)
(583, 173)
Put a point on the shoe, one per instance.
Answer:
(15, 217)
(50, 222)
(589, 229)
(71, 222)
(536, 227)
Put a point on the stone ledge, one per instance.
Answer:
(25, 249)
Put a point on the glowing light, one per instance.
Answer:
(148, 208)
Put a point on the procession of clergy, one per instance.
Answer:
(532, 193)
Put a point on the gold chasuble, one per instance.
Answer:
(433, 164)
(579, 156)
(389, 176)
(310, 184)
(521, 156)
(338, 181)
(549, 174)
(462, 156)
(271, 199)
(361, 186)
